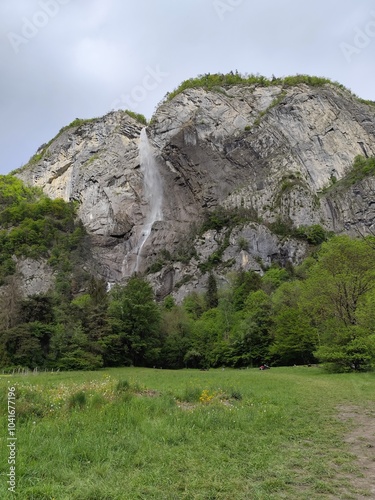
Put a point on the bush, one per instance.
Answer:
(281, 227)
(213, 260)
(41, 153)
(186, 279)
(122, 386)
(234, 394)
(80, 360)
(137, 116)
(77, 400)
(155, 267)
(243, 244)
(315, 234)
(362, 167)
(191, 394)
(221, 217)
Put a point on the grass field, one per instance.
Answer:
(132, 433)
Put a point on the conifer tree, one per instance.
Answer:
(211, 295)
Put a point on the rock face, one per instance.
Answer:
(97, 164)
(37, 276)
(268, 150)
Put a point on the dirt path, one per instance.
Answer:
(361, 440)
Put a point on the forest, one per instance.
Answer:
(321, 311)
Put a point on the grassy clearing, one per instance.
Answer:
(135, 433)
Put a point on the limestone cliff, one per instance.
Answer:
(272, 151)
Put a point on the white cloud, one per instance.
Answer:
(94, 51)
(98, 13)
(100, 60)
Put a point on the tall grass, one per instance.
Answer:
(158, 434)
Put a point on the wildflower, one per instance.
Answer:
(205, 397)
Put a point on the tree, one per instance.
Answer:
(273, 278)
(194, 304)
(228, 314)
(135, 319)
(253, 334)
(37, 308)
(10, 302)
(348, 349)
(344, 274)
(92, 312)
(193, 359)
(176, 335)
(72, 350)
(294, 339)
(244, 283)
(334, 296)
(169, 303)
(212, 299)
(207, 332)
(26, 344)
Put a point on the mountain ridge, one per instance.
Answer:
(272, 151)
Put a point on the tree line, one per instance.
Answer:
(321, 311)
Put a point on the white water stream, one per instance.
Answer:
(153, 192)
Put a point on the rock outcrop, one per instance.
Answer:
(273, 151)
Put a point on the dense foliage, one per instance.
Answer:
(33, 225)
(321, 311)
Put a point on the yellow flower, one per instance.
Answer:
(206, 397)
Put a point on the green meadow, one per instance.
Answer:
(138, 433)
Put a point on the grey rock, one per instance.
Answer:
(271, 150)
(36, 276)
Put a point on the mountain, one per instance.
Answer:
(227, 177)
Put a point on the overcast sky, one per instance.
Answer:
(63, 59)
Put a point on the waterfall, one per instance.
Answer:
(153, 192)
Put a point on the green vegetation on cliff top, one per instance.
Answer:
(208, 81)
(215, 81)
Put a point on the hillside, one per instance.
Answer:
(248, 169)
(237, 208)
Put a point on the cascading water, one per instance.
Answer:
(153, 192)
